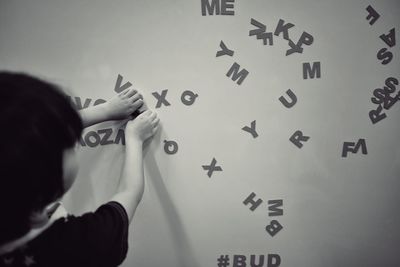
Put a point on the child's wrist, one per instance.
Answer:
(133, 140)
(106, 110)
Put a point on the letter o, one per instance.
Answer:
(95, 136)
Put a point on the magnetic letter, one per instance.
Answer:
(390, 88)
(274, 260)
(250, 200)
(210, 8)
(274, 209)
(236, 74)
(161, 98)
(252, 129)
(78, 103)
(212, 167)
(120, 137)
(391, 83)
(99, 101)
(253, 261)
(379, 96)
(347, 147)
(188, 98)
(107, 133)
(309, 71)
(297, 138)
(225, 6)
(376, 116)
(118, 88)
(261, 32)
(361, 143)
(293, 99)
(273, 228)
(305, 38)
(385, 56)
(96, 137)
(282, 27)
(390, 38)
(373, 16)
(239, 261)
(170, 147)
(224, 51)
(389, 101)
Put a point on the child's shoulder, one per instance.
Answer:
(90, 239)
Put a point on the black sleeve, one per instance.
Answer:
(98, 238)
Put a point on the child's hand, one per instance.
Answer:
(123, 104)
(143, 127)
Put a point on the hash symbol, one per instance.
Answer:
(223, 261)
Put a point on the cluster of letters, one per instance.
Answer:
(270, 260)
(274, 209)
(100, 137)
(384, 97)
(240, 75)
(281, 27)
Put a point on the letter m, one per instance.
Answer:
(236, 74)
(206, 6)
(274, 207)
(313, 71)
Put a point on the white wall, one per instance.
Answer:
(337, 211)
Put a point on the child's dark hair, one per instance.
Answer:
(37, 123)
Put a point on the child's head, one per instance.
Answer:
(38, 131)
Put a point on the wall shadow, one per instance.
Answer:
(184, 253)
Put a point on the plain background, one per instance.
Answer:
(337, 211)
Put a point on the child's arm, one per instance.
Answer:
(118, 107)
(131, 186)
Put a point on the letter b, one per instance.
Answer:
(273, 228)
(239, 261)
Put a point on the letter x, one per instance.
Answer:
(211, 168)
(161, 98)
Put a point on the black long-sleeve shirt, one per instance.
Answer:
(98, 239)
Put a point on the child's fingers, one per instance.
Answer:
(143, 107)
(152, 116)
(155, 122)
(155, 129)
(131, 92)
(125, 91)
(146, 113)
(137, 104)
(136, 97)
